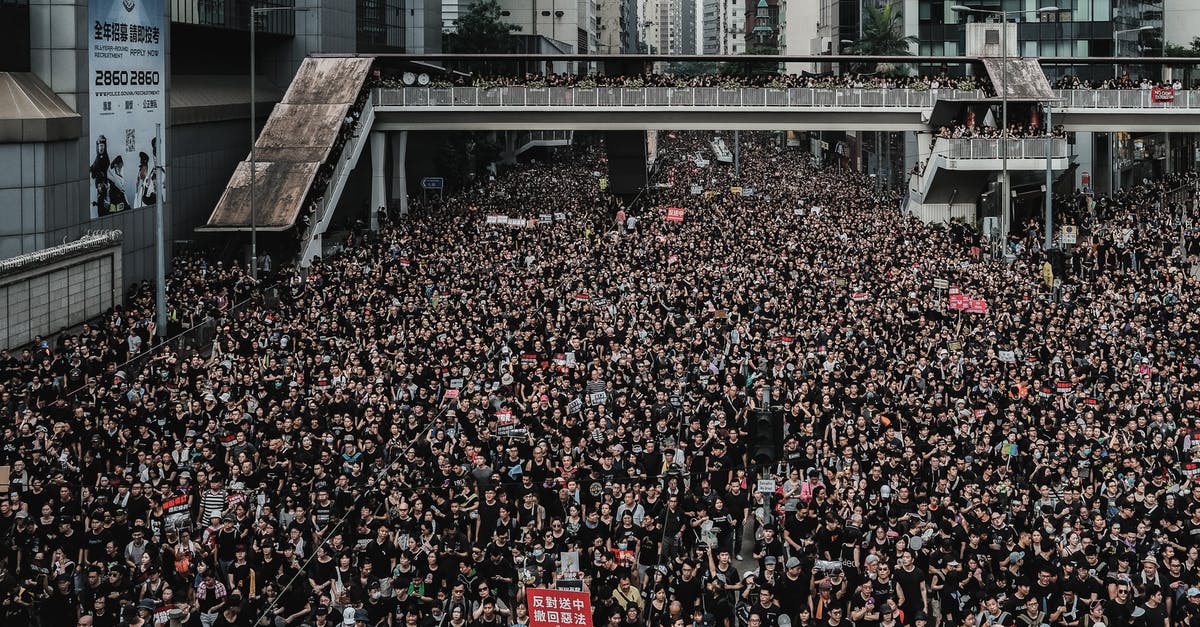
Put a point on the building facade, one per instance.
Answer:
(67, 180)
(762, 25)
(616, 31)
(723, 27)
(1082, 28)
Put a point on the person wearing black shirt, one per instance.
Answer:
(912, 582)
(687, 587)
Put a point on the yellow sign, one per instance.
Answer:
(708, 195)
(1048, 274)
(735, 190)
(603, 184)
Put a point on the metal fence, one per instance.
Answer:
(748, 97)
(196, 339)
(1031, 148)
(1124, 99)
(663, 97)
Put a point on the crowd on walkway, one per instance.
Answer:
(735, 79)
(778, 80)
(1122, 82)
(1014, 131)
(535, 382)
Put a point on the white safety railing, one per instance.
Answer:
(752, 97)
(664, 97)
(310, 244)
(1028, 148)
(529, 139)
(1126, 99)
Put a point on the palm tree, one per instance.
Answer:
(883, 35)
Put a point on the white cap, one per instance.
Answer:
(348, 616)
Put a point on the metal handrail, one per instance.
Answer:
(521, 96)
(1124, 99)
(365, 119)
(1018, 148)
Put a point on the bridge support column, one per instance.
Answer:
(400, 171)
(378, 176)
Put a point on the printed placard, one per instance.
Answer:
(558, 608)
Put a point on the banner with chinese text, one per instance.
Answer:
(126, 98)
(558, 608)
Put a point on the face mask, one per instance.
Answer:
(537, 552)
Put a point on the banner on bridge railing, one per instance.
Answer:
(1162, 94)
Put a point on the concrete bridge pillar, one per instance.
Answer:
(378, 178)
(399, 171)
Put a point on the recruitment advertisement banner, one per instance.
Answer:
(127, 97)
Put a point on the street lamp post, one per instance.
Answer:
(255, 11)
(1114, 172)
(1117, 43)
(1049, 226)
(1005, 211)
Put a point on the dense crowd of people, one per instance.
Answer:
(535, 382)
(1122, 82)
(776, 80)
(1014, 131)
(773, 80)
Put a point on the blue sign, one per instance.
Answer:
(432, 182)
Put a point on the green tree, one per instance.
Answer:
(1177, 50)
(692, 68)
(752, 67)
(883, 35)
(480, 31)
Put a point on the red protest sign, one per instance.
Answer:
(978, 306)
(859, 297)
(957, 301)
(1162, 94)
(558, 608)
(675, 214)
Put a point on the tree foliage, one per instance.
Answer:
(752, 67)
(1177, 50)
(883, 35)
(480, 30)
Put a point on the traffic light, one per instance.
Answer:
(766, 437)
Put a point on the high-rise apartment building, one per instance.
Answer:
(617, 31)
(723, 28)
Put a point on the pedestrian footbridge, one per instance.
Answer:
(747, 108)
(306, 153)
